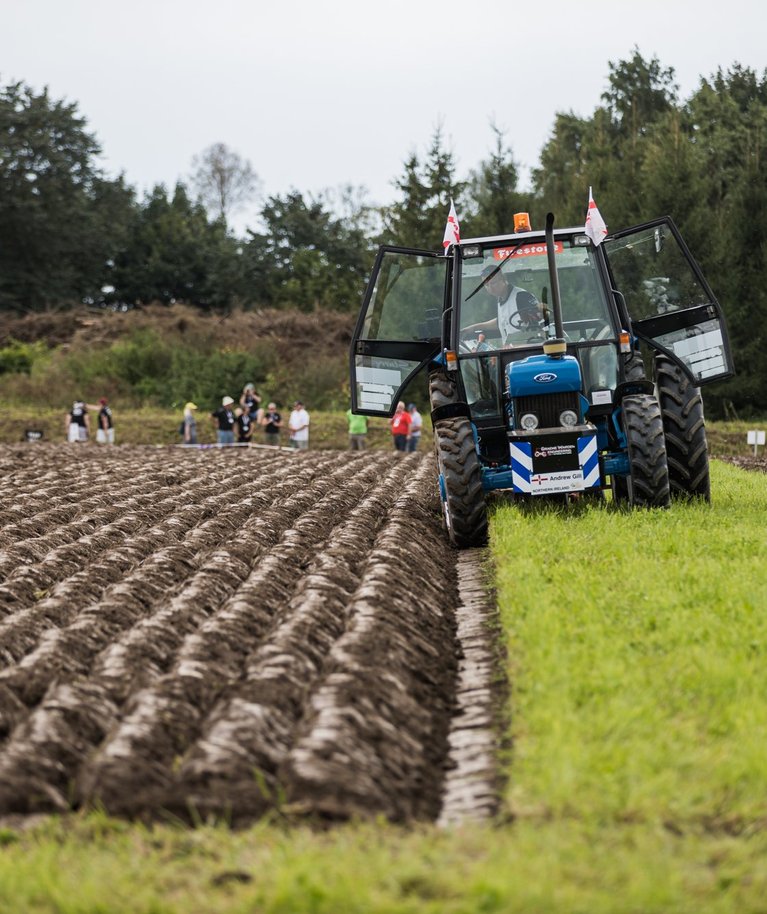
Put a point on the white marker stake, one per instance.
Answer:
(756, 438)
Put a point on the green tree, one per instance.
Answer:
(560, 182)
(639, 93)
(308, 257)
(728, 131)
(174, 253)
(492, 195)
(59, 217)
(607, 150)
(417, 219)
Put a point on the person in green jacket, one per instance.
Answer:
(358, 431)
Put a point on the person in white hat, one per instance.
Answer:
(189, 424)
(78, 422)
(224, 419)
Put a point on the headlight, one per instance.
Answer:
(568, 418)
(529, 421)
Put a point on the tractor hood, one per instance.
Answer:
(543, 374)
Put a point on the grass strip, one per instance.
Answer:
(637, 644)
(93, 865)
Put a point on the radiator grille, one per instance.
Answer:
(547, 407)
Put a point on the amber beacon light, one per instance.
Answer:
(522, 222)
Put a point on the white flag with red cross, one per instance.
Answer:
(595, 224)
(452, 229)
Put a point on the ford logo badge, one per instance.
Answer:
(544, 377)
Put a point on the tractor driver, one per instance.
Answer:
(518, 309)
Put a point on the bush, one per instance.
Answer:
(18, 358)
(148, 368)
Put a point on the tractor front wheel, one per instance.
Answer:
(647, 484)
(460, 473)
(682, 409)
(460, 478)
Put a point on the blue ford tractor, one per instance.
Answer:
(536, 379)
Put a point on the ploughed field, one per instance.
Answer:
(223, 632)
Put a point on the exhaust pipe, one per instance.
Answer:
(558, 345)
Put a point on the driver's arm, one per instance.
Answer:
(490, 327)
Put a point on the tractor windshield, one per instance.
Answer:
(510, 307)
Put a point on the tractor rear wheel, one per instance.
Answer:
(682, 409)
(463, 501)
(633, 366)
(647, 484)
(464, 511)
(443, 390)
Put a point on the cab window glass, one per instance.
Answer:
(406, 303)
(653, 273)
(480, 384)
(506, 296)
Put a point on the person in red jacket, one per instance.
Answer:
(400, 427)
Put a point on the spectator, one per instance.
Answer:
(78, 422)
(298, 423)
(416, 425)
(272, 423)
(105, 433)
(189, 424)
(244, 425)
(400, 427)
(223, 419)
(250, 401)
(358, 431)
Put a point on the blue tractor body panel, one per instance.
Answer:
(542, 374)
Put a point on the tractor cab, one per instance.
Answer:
(532, 345)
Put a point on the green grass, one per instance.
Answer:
(637, 781)
(91, 864)
(638, 644)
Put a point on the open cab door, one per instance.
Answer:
(670, 303)
(399, 328)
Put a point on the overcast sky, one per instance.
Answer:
(316, 95)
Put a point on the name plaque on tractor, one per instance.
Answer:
(547, 464)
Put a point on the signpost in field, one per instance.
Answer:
(756, 438)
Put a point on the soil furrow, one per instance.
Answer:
(146, 649)
(375, 737)
(53, 607)
(165, 718)
(262, 718)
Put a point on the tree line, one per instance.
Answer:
(69, 234)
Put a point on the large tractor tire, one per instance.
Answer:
(464, 511)
(463, 501)
(647, 485)
(682, 409)
(443, 390)
(633, 366)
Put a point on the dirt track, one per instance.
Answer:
(758, 463)
(223, 631)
